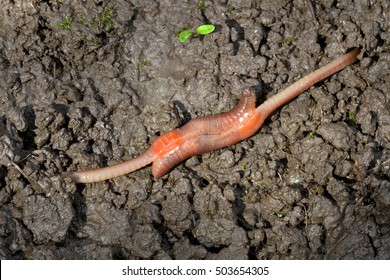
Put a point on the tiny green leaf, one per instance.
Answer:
(184, 35)
(243, 166)
(287, 41)
(279, 215)
(205, 29)
(352, 118)
(201, 5)
(65, 24)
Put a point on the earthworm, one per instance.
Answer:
(209, 133)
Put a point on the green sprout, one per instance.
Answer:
(184, 35)
(243, 166)
(81, 20)
(65, 24)
(317, 190)
(90, 29)
(280, 215)
(352, 118)
(287, 41)
(106, 20)
(211, 212)
(201, 5)
(203, 29)
(143, 63)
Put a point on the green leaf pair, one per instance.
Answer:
(203, 29)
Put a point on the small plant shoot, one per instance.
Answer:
(65, 24)
(186, 34)
(205, 29)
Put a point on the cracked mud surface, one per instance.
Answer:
(91, 84)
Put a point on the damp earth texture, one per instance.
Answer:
(86, 84)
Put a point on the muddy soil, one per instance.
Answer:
(86, 84)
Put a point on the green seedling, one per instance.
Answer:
(204, 29)
(106, 20)
(211, 212)
(81, 20)
(287, 41)
(280, 215)
(243, 166)
(201, 5)
(143, 63)
(83, 26)
(352, 118)
(184, 35)
(65, 24)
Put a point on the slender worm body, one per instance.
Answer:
(213, 132)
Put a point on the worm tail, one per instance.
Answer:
(306, 82)
(109, 172)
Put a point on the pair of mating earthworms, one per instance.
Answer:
(209, 133)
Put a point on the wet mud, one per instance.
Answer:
(85, 84)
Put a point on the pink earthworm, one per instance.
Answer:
(209, 133)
